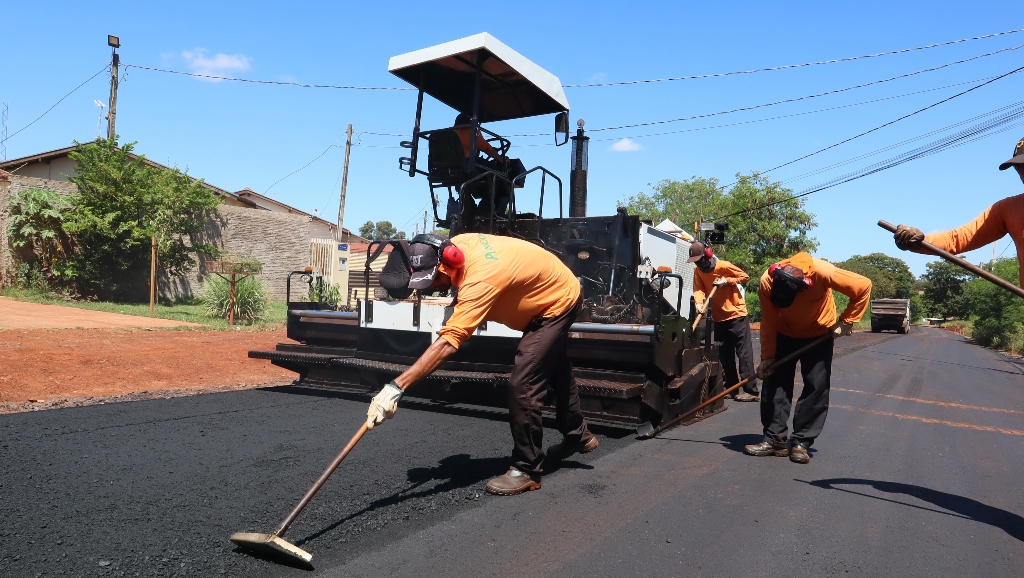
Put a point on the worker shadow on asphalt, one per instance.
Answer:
(453, 472)
(951, 504)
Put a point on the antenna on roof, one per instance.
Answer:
(99, 121)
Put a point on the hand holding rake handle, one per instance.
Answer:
(647, 431)
(707, 305)
(962, 263)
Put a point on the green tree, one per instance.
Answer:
(899, 281)
(37, 221)
(766, 224)
(122, 202)
(380, 230)
(944, 292)
(999, 320)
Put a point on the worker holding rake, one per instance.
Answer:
(797, 310)
(522, 286)
(729, 312)
(1002, 218)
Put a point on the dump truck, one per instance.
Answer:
(635, 356)
(890, 314)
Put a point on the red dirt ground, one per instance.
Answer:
(41, 369)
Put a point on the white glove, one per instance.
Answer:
(720, 281)
(840, 329)
(701, 308)
(383, 405)
(764, 370)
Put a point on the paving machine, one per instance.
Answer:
(636, 354)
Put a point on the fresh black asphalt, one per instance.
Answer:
(917, 473)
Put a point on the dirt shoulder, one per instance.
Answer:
(41, 369)
(16, 314)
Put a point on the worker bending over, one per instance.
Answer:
(1004, 217)
(796, 308)
(729, 312)
(526, 288)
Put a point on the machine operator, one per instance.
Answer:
(796, 309)
(729, 312)
(1004, 217)
(526, 288)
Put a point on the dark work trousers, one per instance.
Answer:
(542, 362)
(735, 337)
(777, 392)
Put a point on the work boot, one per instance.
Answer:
(566, 448)
(512, 483)
(766, 449)
(744, 396)
(798, 454)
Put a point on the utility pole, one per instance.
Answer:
(344, 182)
(425, 221)
(114, 43)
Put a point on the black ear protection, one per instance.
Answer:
(448, 253)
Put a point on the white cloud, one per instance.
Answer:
(598, 77)
(626, 145)
(220, 64)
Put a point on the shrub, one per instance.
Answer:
(250, 299)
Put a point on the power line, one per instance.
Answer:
(831, 108)
(1003, 122)
(102, 70)
(277, 82)
(799, 98)
(329, 147)
(899, 144)
(892, 122)
(790, 66)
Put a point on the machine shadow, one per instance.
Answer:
(454, 472)
(954, 505)
(464, 410)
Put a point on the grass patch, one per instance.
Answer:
(189, 310)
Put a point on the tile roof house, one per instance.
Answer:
(248, 223)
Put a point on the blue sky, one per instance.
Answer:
(238, 135)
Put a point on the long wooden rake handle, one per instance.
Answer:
(320, 482)
(676, 420)
(962, 263)
(707, 303)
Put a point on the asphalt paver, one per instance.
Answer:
(917, 473)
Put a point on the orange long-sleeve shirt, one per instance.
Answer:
(506, 280)
(727, 303)
(814, 310)
(1006, 216)
(482, 146)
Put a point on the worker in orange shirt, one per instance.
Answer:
(1004, 217)
(522, 286)
(796, 308)
(729, 312)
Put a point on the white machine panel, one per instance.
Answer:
(660, 249)
(398, 315)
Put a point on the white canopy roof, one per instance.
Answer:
(511, 86)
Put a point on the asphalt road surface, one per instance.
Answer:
(918, 473)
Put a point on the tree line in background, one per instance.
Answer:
(766, 225)
(97, 241)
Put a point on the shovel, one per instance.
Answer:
(647, 430)
(274, 545)
(962, 263)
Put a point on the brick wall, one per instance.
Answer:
(279, 240)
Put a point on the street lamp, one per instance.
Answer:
(113, 41)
